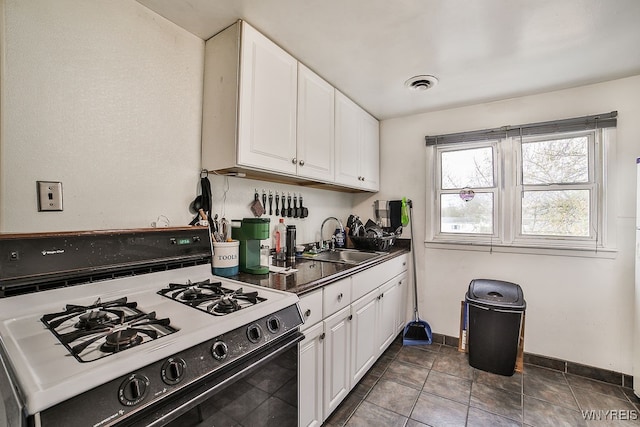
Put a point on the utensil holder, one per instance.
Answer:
(225, 258)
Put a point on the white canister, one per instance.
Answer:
(225, 258)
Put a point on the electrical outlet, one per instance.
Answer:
(49, 196)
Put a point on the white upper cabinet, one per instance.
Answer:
(269, 116)
(370, 160)
(250, 103)
(268, 99)
(357, 146)
(315, 148)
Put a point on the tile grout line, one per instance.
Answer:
(413, 407)
(372, 386)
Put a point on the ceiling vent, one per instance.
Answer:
(421, 83)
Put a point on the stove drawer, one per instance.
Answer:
(311, 308)
(336, 296)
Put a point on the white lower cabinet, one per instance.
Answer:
(339, 349)
(402, 283)
(364, 345)
(337, 345)
(311, 376)
(391, 310)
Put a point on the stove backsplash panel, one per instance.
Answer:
(30, 260)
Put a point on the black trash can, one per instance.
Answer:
(495, 317)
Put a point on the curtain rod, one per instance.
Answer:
(596, 121)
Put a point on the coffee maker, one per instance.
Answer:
(249, 234)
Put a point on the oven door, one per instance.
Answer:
(11, 407)
(259, 390)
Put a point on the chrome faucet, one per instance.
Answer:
(322, 247)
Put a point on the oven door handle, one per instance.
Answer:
(171, 408)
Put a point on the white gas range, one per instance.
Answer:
(139, 349)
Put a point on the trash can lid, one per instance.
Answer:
(496, 293)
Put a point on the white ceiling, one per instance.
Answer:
(480, 50)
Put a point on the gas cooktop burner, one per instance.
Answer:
(211, 297)
(121, 340)
(93, 319)
(98, 330)
(224, 305)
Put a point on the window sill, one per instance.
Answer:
(605, 253)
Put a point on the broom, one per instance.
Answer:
(417, 332)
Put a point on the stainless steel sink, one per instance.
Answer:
(345, 256)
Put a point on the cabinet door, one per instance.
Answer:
(311, 308)
(315, 148)
(357, 145)
(267, 111)
(364, 345)
(389, 305)
(347, 141)
(310, 376)
(337, 329)
(403, 286)
(370, 158)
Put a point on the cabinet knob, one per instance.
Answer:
(301, 162)
(322, 336)
(340, 297)
(350, 317)
(307, 313)
(404, 263)
(294, 160)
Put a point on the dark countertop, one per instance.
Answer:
(314, 274)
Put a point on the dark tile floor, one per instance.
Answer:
(434, 385)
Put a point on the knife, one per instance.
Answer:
(283, 211)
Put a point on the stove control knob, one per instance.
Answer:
(254, 333)
(133, 390)
(273, 324)
(172, 371)
(219, 350)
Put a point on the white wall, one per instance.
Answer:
(578, 309)
(320, 203)
(105, 97)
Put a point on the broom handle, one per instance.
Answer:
(413, 264)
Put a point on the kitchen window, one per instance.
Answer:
(467, 175)
(530, 186)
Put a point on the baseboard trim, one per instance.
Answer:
(565, 366)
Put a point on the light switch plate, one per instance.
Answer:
(49, 196)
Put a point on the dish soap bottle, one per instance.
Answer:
(280, 240)
(339, 237)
